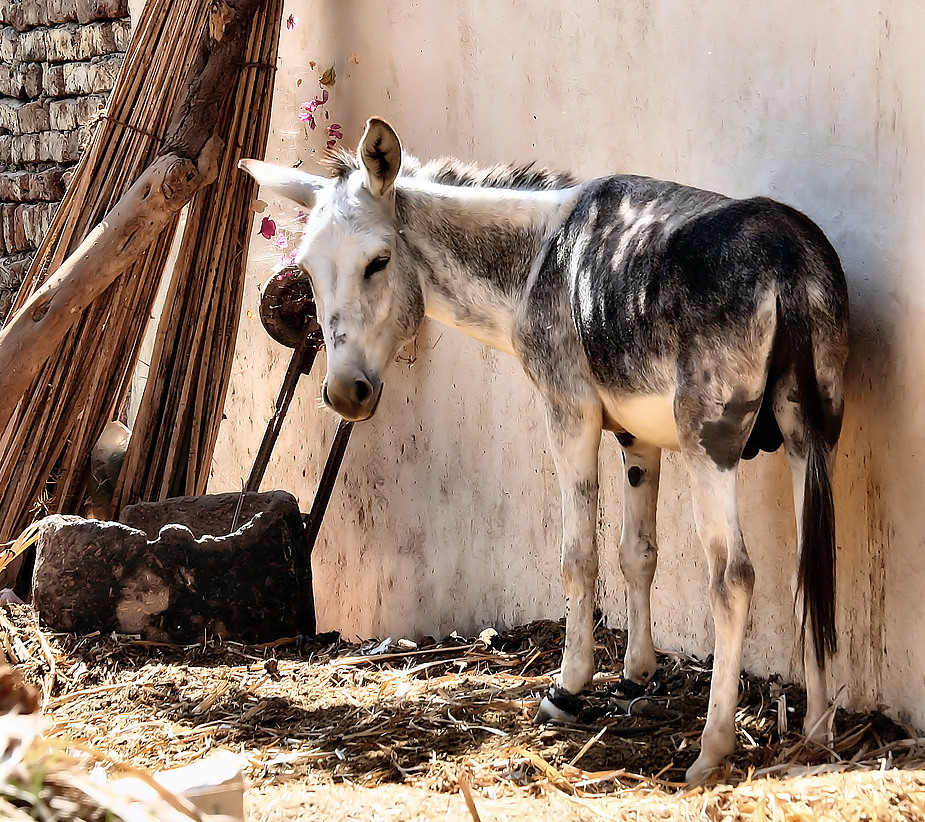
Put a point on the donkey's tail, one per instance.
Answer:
(816, 571)
(821, 417)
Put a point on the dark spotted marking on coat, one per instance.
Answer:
(724, 438)
(625, 438)
(672, 316)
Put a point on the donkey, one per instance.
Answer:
(674, 317)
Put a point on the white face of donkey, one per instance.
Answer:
(369, 300)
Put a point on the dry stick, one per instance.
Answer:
(115, 369)
(301, 362)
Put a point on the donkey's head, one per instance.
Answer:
(368, 296)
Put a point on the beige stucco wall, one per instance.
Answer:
(446, 515)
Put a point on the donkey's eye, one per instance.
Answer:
(375, 266)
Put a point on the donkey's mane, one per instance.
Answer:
(452, 172)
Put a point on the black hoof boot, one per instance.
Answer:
(558, 704)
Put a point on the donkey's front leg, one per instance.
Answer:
(638, 552)
(575, 436)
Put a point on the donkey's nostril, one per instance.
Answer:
(364, 390)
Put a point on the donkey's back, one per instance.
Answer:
(672, 289)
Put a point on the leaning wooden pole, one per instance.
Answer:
(33, 333)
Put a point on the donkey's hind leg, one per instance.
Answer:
(575, 436)
(638, 552)
(731, 581)
(714, 423)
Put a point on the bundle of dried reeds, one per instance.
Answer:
(177, 425)
(165, 108)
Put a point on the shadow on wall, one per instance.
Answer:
(854, 201)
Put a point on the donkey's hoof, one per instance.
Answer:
(706, 769)
(558, 704)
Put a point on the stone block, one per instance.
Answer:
(9, 45)
(27, 14)
(21, 79)
(183, 576)
(71, 112)
(35, 219)
(24, 116)
(21, 186)
(24, 15)
(6, 303)
(91, 10)
(90, 77)
(14, 235)
(42, 147)
(66, 43)
(13, 268)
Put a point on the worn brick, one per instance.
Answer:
(9, 45)
(13, 268)
(68, 42)
(35, 219)
(27, 14)
(91, 10)
(88, 77)
(22, 186)
(14, 237)
(6, 225)
(20, 79)
(71, 112)
(6, 303)
(24, 116)
(43, 147)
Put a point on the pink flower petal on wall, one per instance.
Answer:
(267, 228)
(291, 22)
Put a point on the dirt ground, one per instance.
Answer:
(442, 730)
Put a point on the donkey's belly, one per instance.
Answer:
(648, 417)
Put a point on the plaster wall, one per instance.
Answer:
(446, 515)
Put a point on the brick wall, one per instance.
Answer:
(58, 61)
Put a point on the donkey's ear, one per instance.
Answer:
(380, 154)
(290, 182)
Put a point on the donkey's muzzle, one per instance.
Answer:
(354, 396)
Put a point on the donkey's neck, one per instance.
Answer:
(477, 248)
